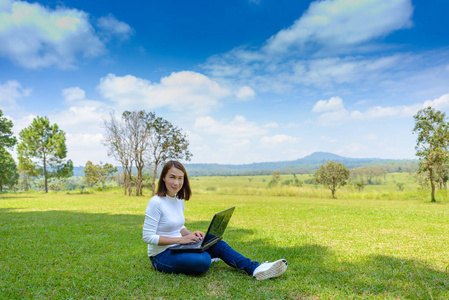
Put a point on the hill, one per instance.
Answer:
(306, 164)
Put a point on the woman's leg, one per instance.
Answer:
(232, 258)
(185, 263)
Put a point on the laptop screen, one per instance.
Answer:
(218, 225)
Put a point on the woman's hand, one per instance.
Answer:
(192, 237)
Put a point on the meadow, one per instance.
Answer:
(378, 243)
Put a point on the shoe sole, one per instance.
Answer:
(277, 269)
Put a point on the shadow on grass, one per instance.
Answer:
(66, 254)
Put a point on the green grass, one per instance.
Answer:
(69, 246)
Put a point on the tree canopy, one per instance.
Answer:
(42, 151)
(8, 170)
(432, 144)
(98, 174)
(7, 140)
(332, 175)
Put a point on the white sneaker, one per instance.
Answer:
(270, 270)
(213, 260)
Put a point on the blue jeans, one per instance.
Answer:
(199, 263)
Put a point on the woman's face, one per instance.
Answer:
(174, 181)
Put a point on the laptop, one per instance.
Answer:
(214, 234)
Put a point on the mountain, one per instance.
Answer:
(303, 165)
(306, 164)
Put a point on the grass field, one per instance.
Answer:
(71, 246)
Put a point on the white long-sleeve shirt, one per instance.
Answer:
(164, 216)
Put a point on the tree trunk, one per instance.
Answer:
(139, 180)
(45, 175)
(154, 178)
(124, 181)
(130, 181)
(432, 185)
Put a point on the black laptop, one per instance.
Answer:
(213, 235)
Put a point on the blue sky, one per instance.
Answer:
(247, 80)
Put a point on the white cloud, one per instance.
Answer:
(10, 92)
(439, 103)
(333, 104)
(76, 97)
(333, 112)
(82, 147)
(73, 94)
(35, 36)
(246, 93)
(180, 91)
(343, 23)
(317, 51)
(110, 26)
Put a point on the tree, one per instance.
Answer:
(360, 185)
(7, 140)
(42, 151)
(98, 174)
(128, 140)
(432, 144)
(8, 170)
(332, 175)
(167, 142)
(143, 140)
(275, 179)
(139, 133)
(116, 139)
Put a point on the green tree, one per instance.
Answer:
(167, 142)
(360, 185)
(275, 179)
(8, 170)
(432, 144)
(98, 174)
(42, 151)
(7, 140)
(332, 175)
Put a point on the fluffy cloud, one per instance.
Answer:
(78, 144)
(110, 26)
(333, 104)
(342, 23)
(76, 97)
(180, 91)
(246, 93)
(317, 51)
(34, 36)
(73, 94)
(333, 111)
(10, 92)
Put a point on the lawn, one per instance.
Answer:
(69, 246)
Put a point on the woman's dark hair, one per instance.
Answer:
(184, 192)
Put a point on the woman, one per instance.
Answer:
(164, 226)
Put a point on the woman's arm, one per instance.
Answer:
(187, 238)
